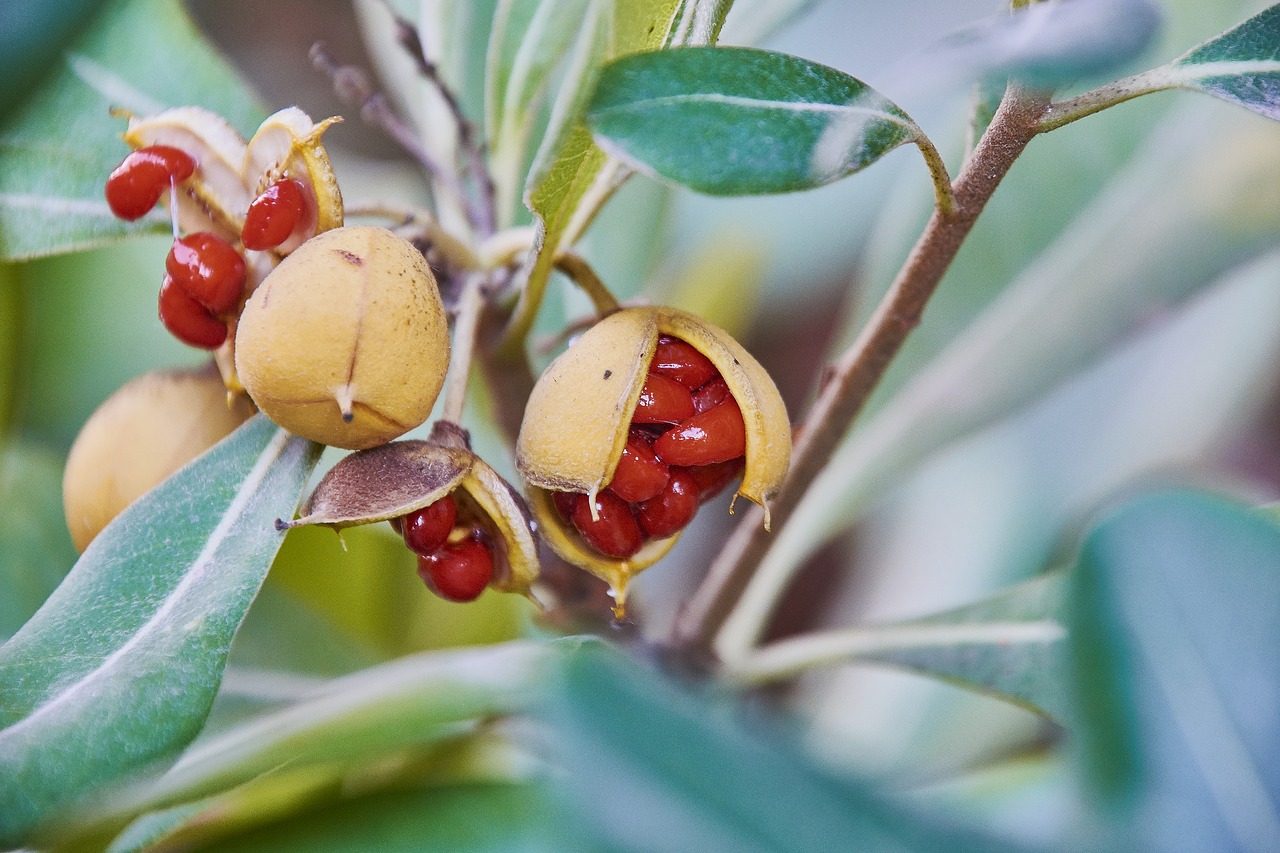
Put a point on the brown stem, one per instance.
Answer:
(486, 211)
(860, 368)
(352, 85)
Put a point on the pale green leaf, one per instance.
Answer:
(1009, 646)
(118, 669)
(1174, 667)
(1241, 66)
(645, 760)
(57, 149)
(413, 701)
(738, 121)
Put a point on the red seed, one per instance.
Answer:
(711, 394)
(274, 215)
(640, 475)
(615, 533)
(565, 502)
(459, 571)
(209, 269)
(678, 360)
(662, 401)
(670, 511)
(188, 320)
(428, 528)
(134, 187)
(716, 435)
(713, 478)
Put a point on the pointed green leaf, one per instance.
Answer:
(1174, 638)
(737, 121)
(118, 669)
(568, 165)
(1241, 66)
(644, 760)
(1009, 646)
(57, 149)
(412, 701)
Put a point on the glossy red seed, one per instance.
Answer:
(671, 510)
(209, 269)
(716, 435)
(188, 320)
(640, 475)
(711, 394)
(713, 478)
(273, 216)
(615, 533)
(662, 401)
(459, 571)
(678, 360)
(134, 187)
(428, 528)
(565, 502)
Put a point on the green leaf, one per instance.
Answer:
(738, 121)
(11, 333)
(1174, 634)
(118, 669)
(35, 548)
(472, 818)
(1241, 66)
(58, 148)
(530, 40)
(568, 165)
(1009, 646)
(652, 768)
(359, 718)
(31, 35)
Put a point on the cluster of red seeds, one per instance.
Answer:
(686, 443)
(204, 274)
(456, 571)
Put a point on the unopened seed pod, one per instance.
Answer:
(141, 434)
(346, 342)
(579, 416)
(391, 481)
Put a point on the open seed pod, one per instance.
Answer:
(231, 173)
(391, 481)
(580, 414)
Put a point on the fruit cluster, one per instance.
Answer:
(685, 444)
(204, 278)
(454, 557)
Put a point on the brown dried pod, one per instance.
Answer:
(395, 479)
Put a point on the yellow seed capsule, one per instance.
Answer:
(144, 432)
(346, 342)
(579, 415)
(391, 481)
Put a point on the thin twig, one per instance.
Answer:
(477, 167)
(352, 85)
(860, 368)
(467, 320)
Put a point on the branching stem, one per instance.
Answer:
(859, 369)
(466, 321)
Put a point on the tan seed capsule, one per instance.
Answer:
(346, 342)
(391, 481)
(580, 413)
(144, 432)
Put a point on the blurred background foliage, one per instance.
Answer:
(1108, 328)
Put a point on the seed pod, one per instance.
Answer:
(144, 432)
(346, 342)
(578, 417)
(231, 173)
(395, 479)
